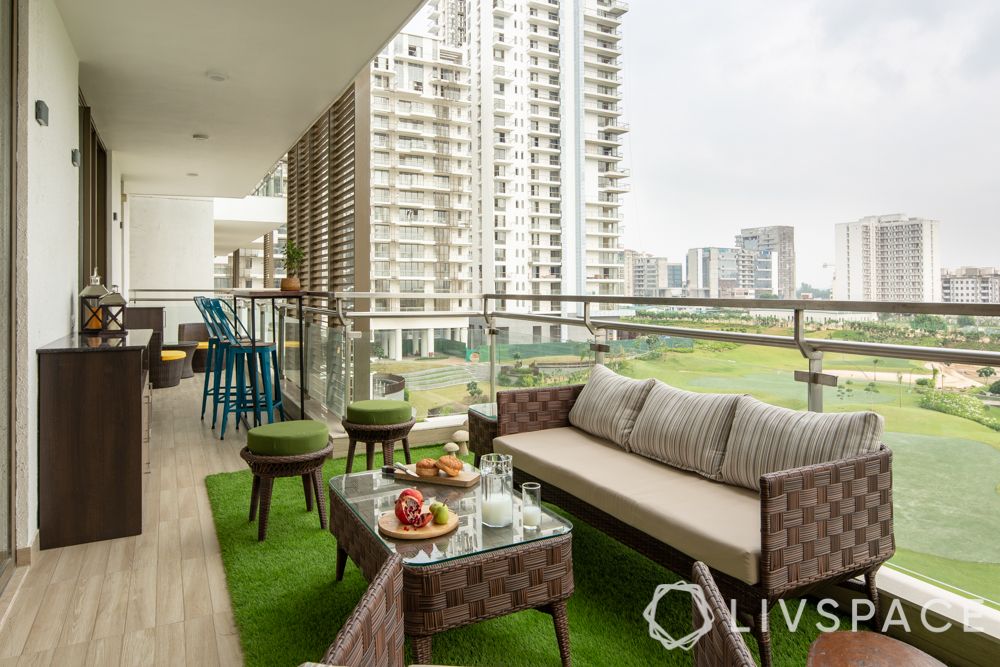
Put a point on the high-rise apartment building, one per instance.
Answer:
(969, 284)
(888, 258)
(547, 137)
(730, 273)
(450, 22)
(780, 241)
(421, 208)
(646, 275)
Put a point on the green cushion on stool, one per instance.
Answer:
(288, 438)
(379, 413)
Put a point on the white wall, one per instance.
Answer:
(52, 212)
(117, 274)
(171, 246)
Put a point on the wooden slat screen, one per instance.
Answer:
(321, 198)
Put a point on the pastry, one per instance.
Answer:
(450, 464)
(427, 468)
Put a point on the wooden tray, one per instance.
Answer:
(468, 477)
(389, 526)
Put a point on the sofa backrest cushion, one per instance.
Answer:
(766, 438)
(684, 429)
(608, 405)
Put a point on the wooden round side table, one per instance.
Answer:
(865, 649)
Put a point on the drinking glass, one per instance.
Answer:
(497, 481)
(531, 504)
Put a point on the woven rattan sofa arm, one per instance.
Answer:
(825, 521)
(523, 410)
(374, 633)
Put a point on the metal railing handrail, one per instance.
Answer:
(922, 353)
(222, 290)
(828, 305)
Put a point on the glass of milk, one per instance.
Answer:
(531, 504)
(497, 480)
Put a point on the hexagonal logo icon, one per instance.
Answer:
(688, 641)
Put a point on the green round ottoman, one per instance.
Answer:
(286, 449)
(386, 422)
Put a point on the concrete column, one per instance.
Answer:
(235, 273)
(396, 342)
(268, 261)
(463, 335)
(428, 346)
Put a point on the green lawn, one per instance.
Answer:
(288, 607)
(972, 580)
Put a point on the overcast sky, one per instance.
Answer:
(755, 112)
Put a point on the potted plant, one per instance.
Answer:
(293, 262)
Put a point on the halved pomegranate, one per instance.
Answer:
(424, 520)
(408, 509)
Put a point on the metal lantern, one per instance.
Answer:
(90, 305)
(113, 312)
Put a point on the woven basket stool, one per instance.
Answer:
(170, 369)
(369, 422)
(286, 449)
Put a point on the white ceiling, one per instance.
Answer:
(143, 65)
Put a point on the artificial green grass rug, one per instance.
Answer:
(288, 606)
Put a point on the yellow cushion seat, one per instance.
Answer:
(172, 355)
(203, 345)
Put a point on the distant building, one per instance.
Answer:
(649, 276)
(780, 240)
(730, 273)
(970, 284)
(888, 258)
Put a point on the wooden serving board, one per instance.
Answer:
(468, 477)
(390, 526)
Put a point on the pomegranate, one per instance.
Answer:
(413, 492)
(408, 509)
(425, 519)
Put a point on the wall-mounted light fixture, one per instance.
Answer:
(42, 112)
(74, 157)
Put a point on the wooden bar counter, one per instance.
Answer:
(94, 402)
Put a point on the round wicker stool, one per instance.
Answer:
(286, 449)
(386, 422)
(170, 369)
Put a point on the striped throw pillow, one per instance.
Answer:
(608, 405)
(684, 429)
(766, 438)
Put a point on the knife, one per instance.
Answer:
(400, 466)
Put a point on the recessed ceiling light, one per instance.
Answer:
(191, 173)
(198, 136)
(215, 75)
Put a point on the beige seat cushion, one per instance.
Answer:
(709, 521)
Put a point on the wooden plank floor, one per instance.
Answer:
(155, 598)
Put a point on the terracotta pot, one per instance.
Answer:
(290, 284)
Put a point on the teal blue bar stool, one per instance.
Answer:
(236, 390)
(212, 364)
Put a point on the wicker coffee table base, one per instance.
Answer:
(266, 468)
(451, 594)
(388, 435)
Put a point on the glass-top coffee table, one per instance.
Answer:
(472, 574)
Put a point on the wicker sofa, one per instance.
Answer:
(807, 526)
